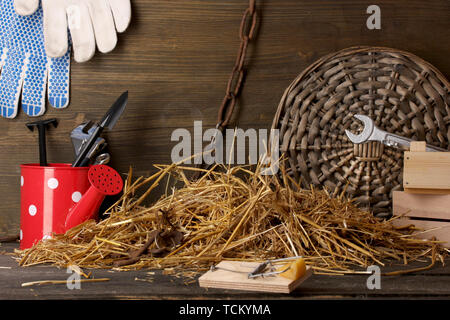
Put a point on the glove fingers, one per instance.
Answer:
(11, 80)
(103, 23)
(82, 32)
(58, 81)
(121, 10)
(26, 7)
(55, 28)
(34, 86)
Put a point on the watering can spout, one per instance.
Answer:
(86, 209)
(104, 181)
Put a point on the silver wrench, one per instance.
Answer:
(372, 133)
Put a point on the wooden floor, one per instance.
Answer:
(431, 284)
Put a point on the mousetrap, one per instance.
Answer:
(255, 276)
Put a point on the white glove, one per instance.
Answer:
(89, 22)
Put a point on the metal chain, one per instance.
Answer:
(236, 80)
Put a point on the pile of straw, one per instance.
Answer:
(232, 213)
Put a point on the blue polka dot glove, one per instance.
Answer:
(26, 71)
(91, 23)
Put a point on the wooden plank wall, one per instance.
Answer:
(175, 60)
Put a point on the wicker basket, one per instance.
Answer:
(402, 93)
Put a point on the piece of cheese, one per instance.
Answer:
(295, 269)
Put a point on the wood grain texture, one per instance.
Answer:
(428, 229)
(175, 60)
(418, 146)
(429, 284)
(428, 212)
(426, 170)
(421, 205)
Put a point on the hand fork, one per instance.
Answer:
(372, 133)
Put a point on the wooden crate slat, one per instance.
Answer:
(434, 206)
(426, 170)
(430, 229)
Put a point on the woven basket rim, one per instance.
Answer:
(351, 51)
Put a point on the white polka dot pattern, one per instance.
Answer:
(32, 210)
(76, 196)
(52, 183)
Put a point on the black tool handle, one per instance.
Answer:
(42, 147)
(42, 126)
(85, 162)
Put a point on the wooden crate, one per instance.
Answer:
(429, 212)
(426, 172)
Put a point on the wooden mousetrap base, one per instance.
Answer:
(238, 280)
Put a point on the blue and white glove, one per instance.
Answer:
(91, 23)
(26, 70)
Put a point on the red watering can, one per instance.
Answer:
(59, 197)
